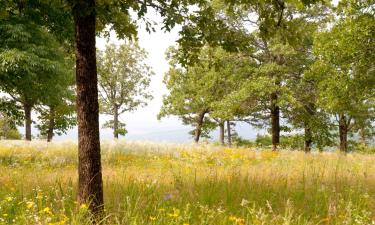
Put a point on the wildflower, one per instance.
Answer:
(29, 205)
(46, 210)
(174, 215)
(152, 218)
(83, 206)
(5, 215)
(232, 218)
(185, 224)
(9, 199)
(244, 202)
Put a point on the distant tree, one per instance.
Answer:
(123, 81)
(195, 91)
(31, 58)
(8, 128)
(57, 112)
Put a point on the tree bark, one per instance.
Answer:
(343, 133)
(229, 133)
(198, 129)
(310, 109)
(90, 184)
(275, 121)
(115, 123)
(221, 126)
(27, 111)
(308, 138)
(51, 125)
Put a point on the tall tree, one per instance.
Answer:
(85, 19)
(123, 81)
(31, 59)
(344, 72)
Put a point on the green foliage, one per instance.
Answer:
(31, 60)
(199, 89)
(8, 128)
(123, 81)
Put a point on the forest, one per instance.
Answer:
(301, 70)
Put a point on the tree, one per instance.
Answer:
(56, 114)
(76, 23)
(266, 31)
(123, 81)
(344, 72)
(8, 128)
(196, 91)
(31, 59)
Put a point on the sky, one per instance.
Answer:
(142, 124)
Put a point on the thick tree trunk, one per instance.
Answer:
(27, 111)
(115, 123)
(275, 121)
(221, 126)
(343, 133)
(198, 129)
(51, 125)
(90, 184)
(229, 133)
(308, 139)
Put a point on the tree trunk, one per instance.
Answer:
(343, 133)
(115, 123)
(51, 125)
(275, 121)
(310, 108)
(27, 111)
(90, 184)
(363, 136)
(198, 129)
(229, 134)
(221, 126)
(308, 138)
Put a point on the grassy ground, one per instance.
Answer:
(188, 184)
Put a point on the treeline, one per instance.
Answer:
(300, 70)
(37, 79)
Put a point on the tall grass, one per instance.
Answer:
(148, 183)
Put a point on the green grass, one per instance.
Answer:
(147, 183)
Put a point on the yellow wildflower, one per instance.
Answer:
(29, 205)
(152, 218)
(84, 206)
(46, 210)
(173, 215)
(232, 218)
(9, 199)
(5, 215)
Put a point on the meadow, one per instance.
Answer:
(148, 183)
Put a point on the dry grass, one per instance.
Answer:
(149, 183)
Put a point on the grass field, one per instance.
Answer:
(146, 183)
